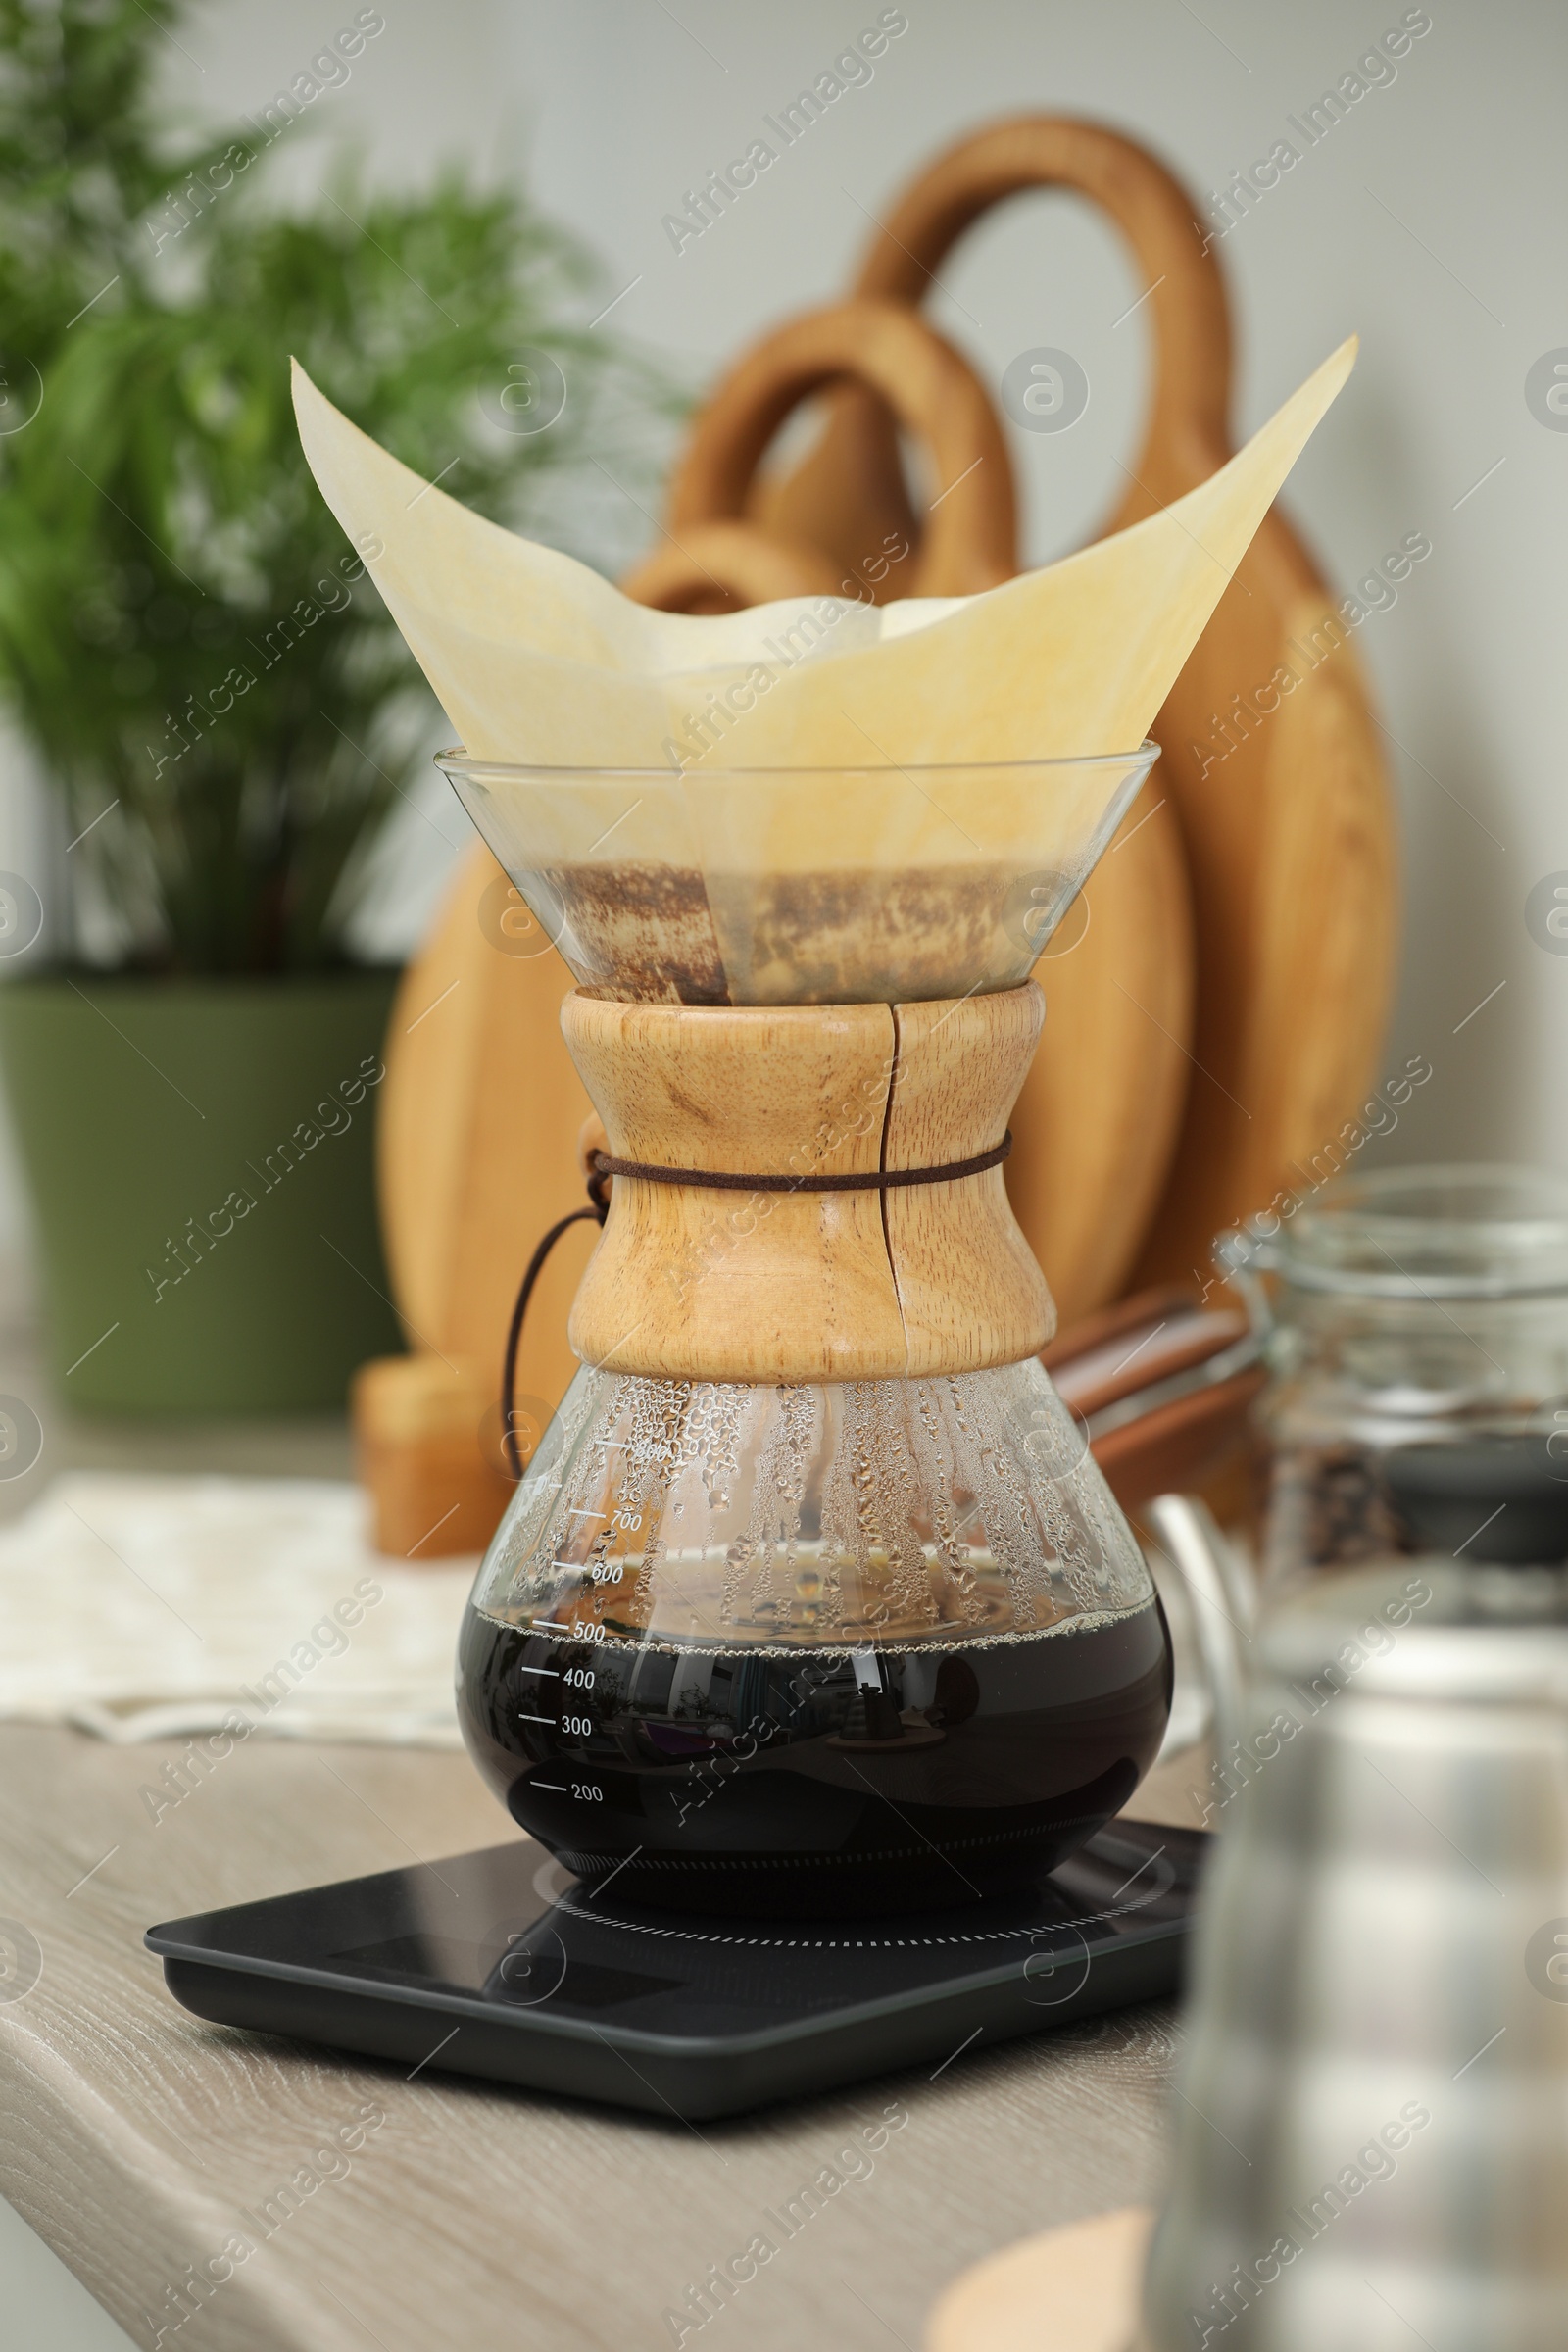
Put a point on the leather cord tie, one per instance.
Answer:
(605, 1166)
(876, 1180)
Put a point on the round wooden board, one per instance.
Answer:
(969, 542)
(1095, 1127)
(476, 1153)
(1285, 810)
(1073, 2289)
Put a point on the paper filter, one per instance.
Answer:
(937, 774)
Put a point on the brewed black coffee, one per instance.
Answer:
(804, 1783)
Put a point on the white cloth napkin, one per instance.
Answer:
(151, 1607)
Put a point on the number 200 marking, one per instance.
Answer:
(588, 1792)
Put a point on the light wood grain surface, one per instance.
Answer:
(696, 1283)
(1272, 764)
(495, 2221)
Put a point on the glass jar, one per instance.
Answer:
(1412, 1307)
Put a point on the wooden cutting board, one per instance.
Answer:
(475, 1157)
(1095, 1125)
(1284, 814)
(481, 1106)
(478, 1146)
(914, 376)
(1071, 2290)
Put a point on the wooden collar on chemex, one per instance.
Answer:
(805, 1192)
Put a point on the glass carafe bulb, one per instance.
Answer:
(804, 1649)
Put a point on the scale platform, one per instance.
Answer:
(500, 1965)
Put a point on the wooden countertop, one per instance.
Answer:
(495, 2221)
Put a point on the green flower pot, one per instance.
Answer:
(200, 1157)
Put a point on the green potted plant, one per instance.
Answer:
(213, 685)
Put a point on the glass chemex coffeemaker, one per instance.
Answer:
(811, 1601)
(812, 1606)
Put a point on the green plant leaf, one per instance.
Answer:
(183, 632)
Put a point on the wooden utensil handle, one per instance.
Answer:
(1154, 214)
(694, 1282)
(969, 542)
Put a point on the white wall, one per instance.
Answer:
(1433, 219)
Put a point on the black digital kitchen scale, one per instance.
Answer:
(499, 1964)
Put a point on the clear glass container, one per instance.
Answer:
(800, 886)
(1417, 1306)
(804, 1649)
